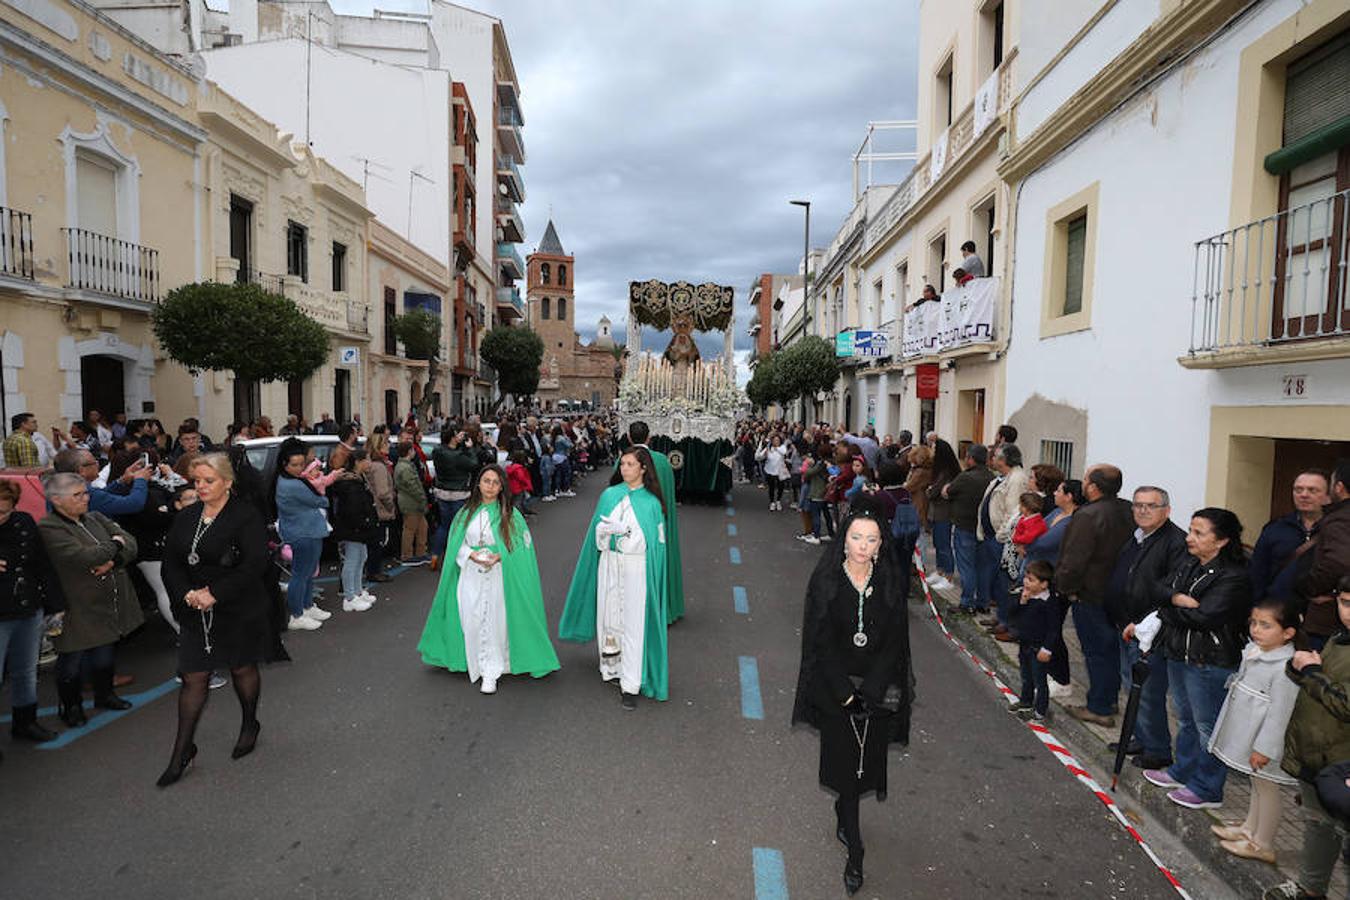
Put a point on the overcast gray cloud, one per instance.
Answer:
(666, 138)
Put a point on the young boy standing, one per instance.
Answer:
(1037, 619)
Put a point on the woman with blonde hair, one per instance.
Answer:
(214, 560)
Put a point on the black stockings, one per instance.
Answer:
(192, 700)
(846, 812)
(247, 686)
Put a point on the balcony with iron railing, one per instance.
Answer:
(508, 219)
(510, 260)
(508, 174)
(486, 372)
(16, 244)
(509, 298)
(107, 265)
(948, 150)
(1274, 289)
(509, 124)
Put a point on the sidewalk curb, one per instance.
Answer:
(1191, 827)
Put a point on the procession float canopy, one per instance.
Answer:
(677, 393)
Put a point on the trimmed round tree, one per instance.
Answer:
(516, 354)
(805, 368)
(260, 336)
(420, 333)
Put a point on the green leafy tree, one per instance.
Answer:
(804, 368)
(516, 354)
(762, 389)
(420, 333)
(260, 336)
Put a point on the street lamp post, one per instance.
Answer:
(806, 263)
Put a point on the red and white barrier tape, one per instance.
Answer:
(1052, 744)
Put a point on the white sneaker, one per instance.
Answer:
(367, 596)
(317, 614)
(1060, 691)
(810, 539)
(942, 583)
(489, 685)
(569, 493)
(217, 680)
(825, 539)
(549, 499)
(303, 623)
(354, 604)
(933, 578)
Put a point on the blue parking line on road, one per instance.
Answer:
(731, 529)
(731, 510)
(770, 874)
(735, 553)
(105, 717)
(752, 706)
(742, 602)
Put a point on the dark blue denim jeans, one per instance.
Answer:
(70, 666)
(19, 642)
(446, 510)
(967, 566)
(1198, 694)
(1151, 728)
(305, 553)
(1101, 656)
(942, 547)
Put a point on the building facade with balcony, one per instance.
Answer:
(1179, 298)
(101, 212)
(284, 218)
(913, 236)
(402, 278)
(571, 371)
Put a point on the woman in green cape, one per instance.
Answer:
(619, 586)
(488, 617)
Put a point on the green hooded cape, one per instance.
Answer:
(578, 617)
(665, 476)
(529, 649)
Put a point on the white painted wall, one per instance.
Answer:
(1046, 28)
(397, 116)
(1164, 162)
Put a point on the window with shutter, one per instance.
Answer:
(1075, 233)
(1317, 90)
(96, 181)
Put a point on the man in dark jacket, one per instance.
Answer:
(965, 492)
(1330, 561)
(1092, 541)
(1272, 566)
(1138, 586)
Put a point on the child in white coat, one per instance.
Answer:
(1249, 733)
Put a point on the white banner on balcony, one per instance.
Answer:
(964, 316)
(937, 160)
(986, 104)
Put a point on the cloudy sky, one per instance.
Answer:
(666, 138)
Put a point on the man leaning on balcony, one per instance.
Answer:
(972, 265)
(930, 295)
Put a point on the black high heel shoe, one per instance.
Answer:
(843, 838)
(853, 877)
(173, 773)
(244, 747)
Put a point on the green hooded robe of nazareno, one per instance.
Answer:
(529, 648)
(578, 618)
(665, 477)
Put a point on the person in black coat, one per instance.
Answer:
(214, 560)
(1039, 620)
(28, 588)
(1139, 585)
(856, 683)
(1202, 636)
(355, 522)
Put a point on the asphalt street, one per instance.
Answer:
(378, 777)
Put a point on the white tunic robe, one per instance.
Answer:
(621, 596)
(482, 604)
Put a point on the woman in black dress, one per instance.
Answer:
(214, 560)
(856, 684)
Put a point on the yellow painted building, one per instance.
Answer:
(100, 213)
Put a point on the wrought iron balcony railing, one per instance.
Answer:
(1273, 281)
(111, 266)
(16, 243)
